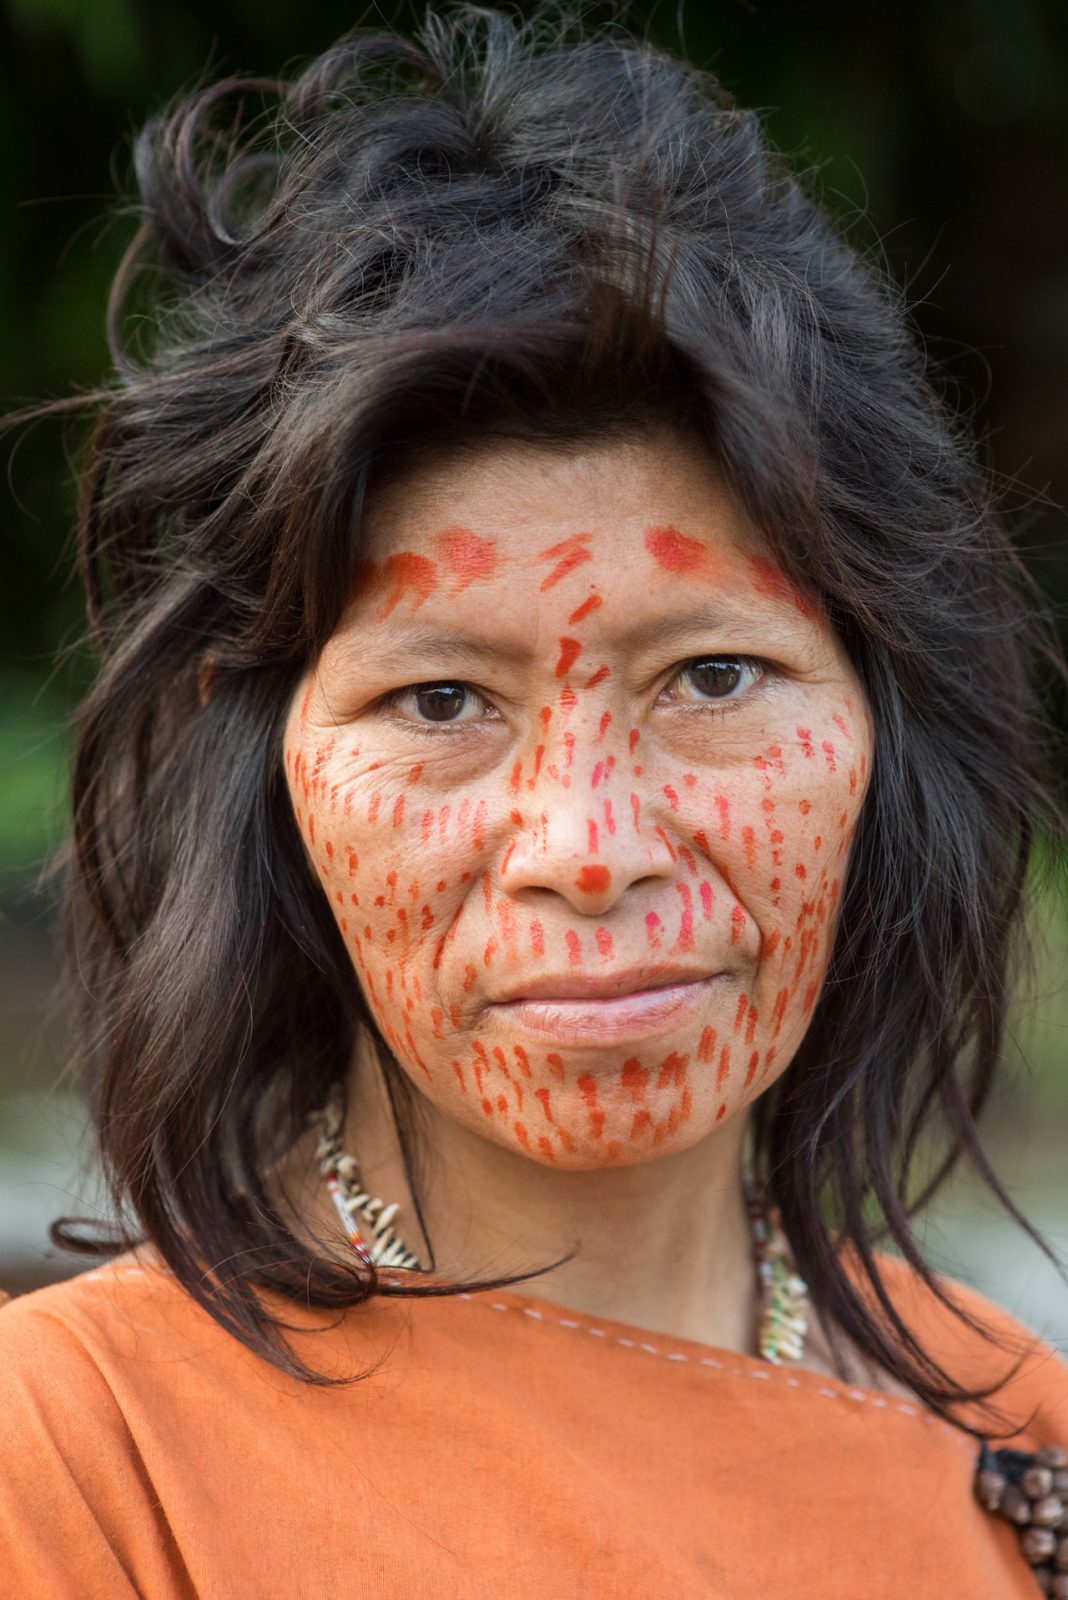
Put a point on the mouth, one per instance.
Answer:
(576, 1012)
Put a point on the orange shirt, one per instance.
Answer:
(502, 1447)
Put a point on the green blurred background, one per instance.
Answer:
(937, 133)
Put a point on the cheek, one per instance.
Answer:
(777, 832)
(396, 871)
(782, 821)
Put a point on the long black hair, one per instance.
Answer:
(512, 229)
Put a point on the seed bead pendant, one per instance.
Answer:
(380, 1247)
(784, 1293)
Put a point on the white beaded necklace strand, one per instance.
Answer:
(381, 1247)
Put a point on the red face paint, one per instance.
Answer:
(468, 557)
(767, 579)
(676, 554)
(581, 612)
(404, 578)
(570, 649)
(566, 556)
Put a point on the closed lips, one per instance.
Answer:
(597, 1016)
(622, 985)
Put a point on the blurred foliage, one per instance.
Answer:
(938, 132)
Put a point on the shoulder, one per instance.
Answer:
(43, 1348)
(69, 1354)
(132, 1333)
(980, 1344)
(109, 1310)
(117, 1391)
(76, 1494)
(82, 1360)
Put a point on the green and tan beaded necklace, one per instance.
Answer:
(368, 1223)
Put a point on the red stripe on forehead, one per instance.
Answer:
(469, 557)
(571, 553)
(583, 611)
(673, 551)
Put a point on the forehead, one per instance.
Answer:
(634, 550)
(528, 498)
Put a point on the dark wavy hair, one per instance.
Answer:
(511, 230)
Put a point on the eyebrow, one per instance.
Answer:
(456, 646)
(681, 626)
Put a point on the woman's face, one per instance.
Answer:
(579, 773)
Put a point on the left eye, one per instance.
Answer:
(715, 678)
(437, 702)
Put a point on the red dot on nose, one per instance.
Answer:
(591, 880)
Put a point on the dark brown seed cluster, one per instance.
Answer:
(1031, 1491)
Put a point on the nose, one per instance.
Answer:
(589, 844)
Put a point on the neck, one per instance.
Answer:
(664, 1245)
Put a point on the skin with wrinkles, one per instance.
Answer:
(655, 755)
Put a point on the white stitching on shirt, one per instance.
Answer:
(770, 1375)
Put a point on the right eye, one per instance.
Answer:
(428, 703)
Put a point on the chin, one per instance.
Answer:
(586, 1138)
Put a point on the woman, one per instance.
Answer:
(557, 800)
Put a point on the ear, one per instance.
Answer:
(205, 679)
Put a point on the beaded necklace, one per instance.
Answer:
(368, 1225)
